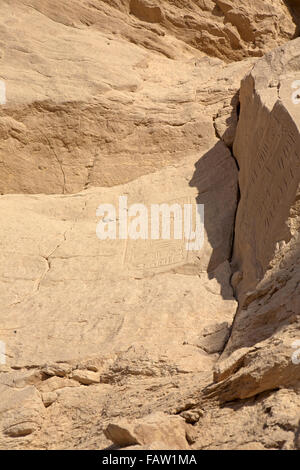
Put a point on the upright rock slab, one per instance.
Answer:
(105, 98)
(260, 351)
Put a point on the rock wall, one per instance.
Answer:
(266, 253)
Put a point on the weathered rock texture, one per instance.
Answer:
(93, 73)
(108, 341)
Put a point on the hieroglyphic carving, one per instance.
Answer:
(157, 254)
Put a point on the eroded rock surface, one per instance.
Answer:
(266, 249)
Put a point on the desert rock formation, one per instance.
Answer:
(122, 341)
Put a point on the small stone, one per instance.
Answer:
(20, 429)
(59, 370)
(49, 398)
(85, 377)
(191, 416)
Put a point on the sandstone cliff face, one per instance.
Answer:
(164, 102)
(93, 72)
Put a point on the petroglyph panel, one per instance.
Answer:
(267, 148)
(275, 170)
(161, 254)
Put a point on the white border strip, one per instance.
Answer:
(2, 92)
(2, 353)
